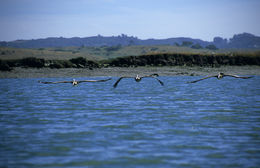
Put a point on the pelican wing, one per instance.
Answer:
(159, 81)
(152, 75)
(236, 76)
(55, 82)
(103, 80)
(203, 78)
(116, 83)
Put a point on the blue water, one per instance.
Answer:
(212, 123)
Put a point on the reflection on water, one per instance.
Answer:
(213, 123)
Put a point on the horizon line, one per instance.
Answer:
(122, 35)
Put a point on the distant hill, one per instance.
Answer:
(239, 41)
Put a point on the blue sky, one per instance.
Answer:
(204, 19)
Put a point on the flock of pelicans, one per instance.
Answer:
(139, 78)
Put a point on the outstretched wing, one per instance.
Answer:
(203, 78)
(116, 83)
(103, 80)
(236, 76)
(159, 81)
(152, 75)
(55, 82)
(155, 77)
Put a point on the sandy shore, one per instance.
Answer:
(118, 71)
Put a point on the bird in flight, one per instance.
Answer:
(74, 82)
(220, 75)
(139, 78)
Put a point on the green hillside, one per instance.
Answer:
(101, 53)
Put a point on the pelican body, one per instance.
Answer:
(221, 75)
(74, 82)
(139, 78)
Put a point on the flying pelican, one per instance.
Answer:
(74, 82)
(139, 78)
(220, 75)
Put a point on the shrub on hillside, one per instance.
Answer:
(4, 66)
(186, 43)
(32, 62)
(79, 61)
(196, 46)
(113, 48)
(61, 64)
(211, 47)
(82, 62)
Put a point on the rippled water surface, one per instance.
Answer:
(212, 123)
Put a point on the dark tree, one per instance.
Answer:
(196, 46)
(186, 43)
(32, 62)
(211, 47)
(4, 66)
(177, 44)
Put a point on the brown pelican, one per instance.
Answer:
(74, 82)
(139, 78)
(220, 75)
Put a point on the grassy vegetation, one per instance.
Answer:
(92, 57)
(45, 53)
(106, 52)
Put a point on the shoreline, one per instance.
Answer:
(127, 71)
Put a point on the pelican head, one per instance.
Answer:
(74, 82)
(220, 75)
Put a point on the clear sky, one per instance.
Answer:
(204, 19)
